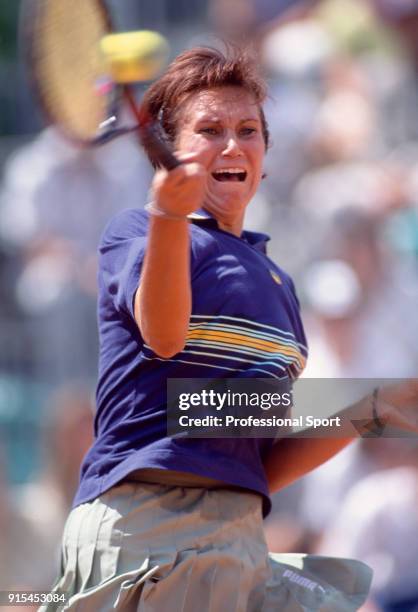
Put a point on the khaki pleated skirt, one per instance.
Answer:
(145, 547)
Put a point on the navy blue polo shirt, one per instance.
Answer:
(245, 322)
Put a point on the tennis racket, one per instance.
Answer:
(64, 44)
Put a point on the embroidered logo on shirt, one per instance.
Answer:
(276, 277)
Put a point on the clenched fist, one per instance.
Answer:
(180, 191)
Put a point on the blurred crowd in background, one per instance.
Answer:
(340, 202)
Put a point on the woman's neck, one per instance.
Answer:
(231, 227)
(231, 224)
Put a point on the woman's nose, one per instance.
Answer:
(232, 147)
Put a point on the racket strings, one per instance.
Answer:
(70, 66)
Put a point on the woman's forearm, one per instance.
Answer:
(395, 405)
(292, 458)
(302, 451)
(163, 301)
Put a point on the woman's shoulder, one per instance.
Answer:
(125, 225)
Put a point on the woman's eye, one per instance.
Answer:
(248, 131)
(209, 130)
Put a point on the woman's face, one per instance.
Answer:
(222, 126)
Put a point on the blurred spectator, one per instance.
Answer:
(362, 322)
(378, 523)
(245, 20)
(398, 75)
(41, 506)
(327, 488)
(53, 217)
(20, 545)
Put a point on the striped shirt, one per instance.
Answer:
(245, 322)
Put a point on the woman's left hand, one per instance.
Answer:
(397, 405)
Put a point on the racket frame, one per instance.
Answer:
(30, 12)
(149, 134)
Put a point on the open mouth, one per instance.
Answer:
(223, 176)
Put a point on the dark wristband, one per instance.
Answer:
(378, 423)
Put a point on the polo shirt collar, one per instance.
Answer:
(201, 215)
(257, 240)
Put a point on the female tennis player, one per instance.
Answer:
(166, 524)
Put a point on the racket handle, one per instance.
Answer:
(157, 150)
(150, 136)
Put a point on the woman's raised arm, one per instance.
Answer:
(163, 300)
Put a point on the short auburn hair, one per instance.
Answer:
(200, 69)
